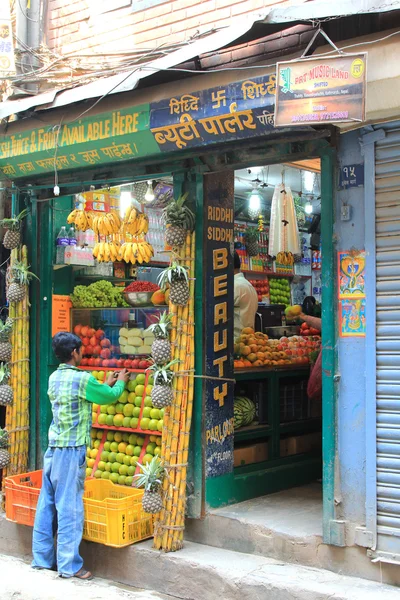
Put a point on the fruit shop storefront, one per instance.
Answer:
(99, 194)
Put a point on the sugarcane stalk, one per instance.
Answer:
(177, 420)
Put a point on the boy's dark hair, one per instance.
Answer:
(236, 261)
(64, 344)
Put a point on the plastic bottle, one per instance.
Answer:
(62, 238)
(72, 237)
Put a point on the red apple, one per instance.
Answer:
(105, 343)
(84, 330)
(77, 329)
(120, 363)
(91, 332)
(97, 362)
(91, 362)
(113, 362)
(85, 341)
(100, 334)
(143, 364)
(105, 353)
(106, 363)
(128, 364)
(84, 362)
(135, 363)
(97, 350)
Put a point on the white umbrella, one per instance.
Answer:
(283, 230)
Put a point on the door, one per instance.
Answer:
(387, 249)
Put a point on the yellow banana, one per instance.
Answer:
(72, 216)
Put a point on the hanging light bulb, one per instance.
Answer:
(149, 195)
(254, 205)
(308, 208)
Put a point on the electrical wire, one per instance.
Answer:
(25, 15)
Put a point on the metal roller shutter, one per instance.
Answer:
(387, 226)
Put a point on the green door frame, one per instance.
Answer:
(220, 491)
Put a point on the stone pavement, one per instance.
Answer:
(20, 582)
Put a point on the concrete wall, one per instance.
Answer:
(101, 26)
(350, 479)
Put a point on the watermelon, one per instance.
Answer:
(244, 411)
(237, 418)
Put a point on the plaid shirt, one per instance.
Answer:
(71, 393)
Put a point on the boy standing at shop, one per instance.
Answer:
(60, 506)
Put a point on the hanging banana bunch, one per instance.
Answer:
(79, 218)
(135, 222)
(136, 251)
(285, 258)
(101, 223)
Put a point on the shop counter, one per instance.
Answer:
(285, 443)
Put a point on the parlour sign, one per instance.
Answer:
(218, 322)
(321, 90)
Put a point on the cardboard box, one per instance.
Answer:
(250, 454)
(301, 443)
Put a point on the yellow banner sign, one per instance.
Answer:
(321, 90)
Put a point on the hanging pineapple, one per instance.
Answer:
(6, 392)
(161, 347)
(162, 394)
(251, 241)
(151, 479)
(177, 277)
(5, 352)
(179, 219)
(19, 279)
(12, 237)
(4, 454)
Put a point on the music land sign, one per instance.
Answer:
(319, 91)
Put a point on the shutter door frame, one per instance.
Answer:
(382, 233)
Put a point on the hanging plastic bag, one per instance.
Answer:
(314, 387)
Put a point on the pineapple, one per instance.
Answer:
(12, 238)
(161, 347)
(177, 277)
(151, 479)
(4, 454)
(179, 220)
(5, 330)
(162, 394)
(5, 352)
(251, 239)
(19, 279)
(6, 392)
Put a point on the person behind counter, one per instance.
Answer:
(60, 506)
(245, 300)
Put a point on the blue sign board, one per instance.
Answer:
(236, 111)
(351, 176)
(218, 322)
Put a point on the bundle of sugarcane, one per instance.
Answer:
(17, 414)
(170, 523)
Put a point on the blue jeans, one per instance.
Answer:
(60, 507)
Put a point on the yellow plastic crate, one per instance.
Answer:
(114, 515)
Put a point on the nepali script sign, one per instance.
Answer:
(239, 110)
(321, 90)
(235, 111)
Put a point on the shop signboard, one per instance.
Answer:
(321, 90)
(218, 322)
(236, 111)
(239, 110)
(61, 314)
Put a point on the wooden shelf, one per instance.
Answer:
(276, 275)
(252, 432)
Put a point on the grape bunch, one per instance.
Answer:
(101, 294)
